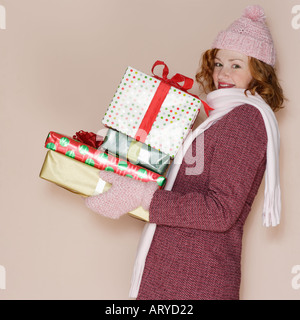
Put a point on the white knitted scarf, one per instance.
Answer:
(223, 101)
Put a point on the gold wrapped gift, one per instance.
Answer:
(79, 178)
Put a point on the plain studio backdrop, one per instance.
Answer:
(60, 64)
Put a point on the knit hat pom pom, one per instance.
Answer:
(255, 13)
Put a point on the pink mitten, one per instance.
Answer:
(125, 195)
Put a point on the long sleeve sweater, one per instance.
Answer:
(196, 249)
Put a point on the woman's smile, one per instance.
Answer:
(224, 85)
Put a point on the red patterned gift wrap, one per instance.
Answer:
(99, 159)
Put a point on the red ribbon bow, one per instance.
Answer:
(176, 80)
(89, 138)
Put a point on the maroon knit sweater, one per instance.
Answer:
(196, 249)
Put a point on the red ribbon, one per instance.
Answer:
(160, 96)
(176, 80)
(89, 138)
(152, 111)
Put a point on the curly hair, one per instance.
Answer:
(264, 82)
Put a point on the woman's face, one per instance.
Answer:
(231, 70)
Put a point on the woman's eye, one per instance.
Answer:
(218, 64)
(236, 66)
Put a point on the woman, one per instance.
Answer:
(192, 247)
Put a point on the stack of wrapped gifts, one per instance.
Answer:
(147, 120)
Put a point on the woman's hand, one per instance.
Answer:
(125, 195)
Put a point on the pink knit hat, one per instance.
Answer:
(249, 35)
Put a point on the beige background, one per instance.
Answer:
(60, 63)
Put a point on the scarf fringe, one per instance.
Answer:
(272, 208)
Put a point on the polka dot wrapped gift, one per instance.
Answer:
(99, 159)
(156, 111)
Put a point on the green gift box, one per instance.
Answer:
(138, 153)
